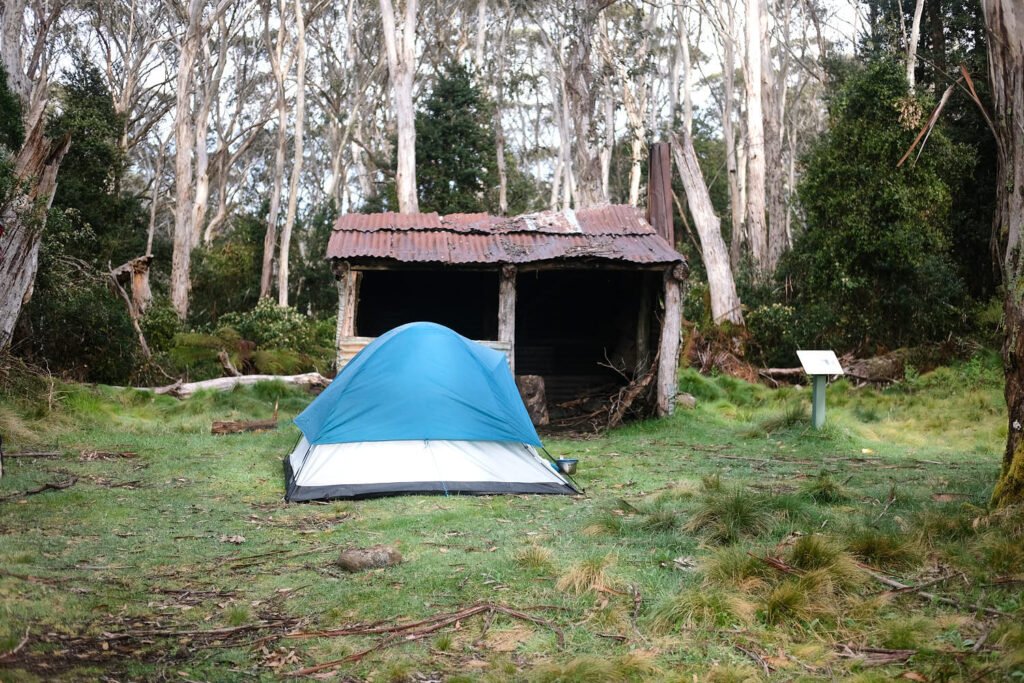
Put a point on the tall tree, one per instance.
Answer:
(1004, 20)
(400, 44)
(23, 207)
(581, 98)
(184, 141)
(293, 184)
(757, 230)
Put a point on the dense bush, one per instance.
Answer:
(272, 326)
(872, 269)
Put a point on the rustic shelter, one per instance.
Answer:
(587, 300)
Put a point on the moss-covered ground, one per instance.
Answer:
(728, 542)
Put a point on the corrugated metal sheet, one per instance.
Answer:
(615, 233)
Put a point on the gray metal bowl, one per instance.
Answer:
(567, 465)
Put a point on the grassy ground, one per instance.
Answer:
(183, 563)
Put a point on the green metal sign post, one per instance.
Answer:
(820, 365)
(818, 401)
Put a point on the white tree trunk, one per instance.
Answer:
(293, 185)
(725, 303)
(400, 46)
(915, 36)
(481, 35)
(184, 140)
(757, 232)
(581, 98)
(773, 84)
(277, 66)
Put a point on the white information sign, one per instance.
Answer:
(820, 362)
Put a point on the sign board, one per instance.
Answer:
(820, 362)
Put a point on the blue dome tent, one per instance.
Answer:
(421, 409)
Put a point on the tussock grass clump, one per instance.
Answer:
(705, 607)
(734, 567)
(1001, 554)
(824, 489)
(237, 615)
(587, 576)
(906, 633)
(534, 557)
(727, 516)
(793, 414)
(711, 482)
(787, 600)
(660, 519)
(947, 523)
(607, 522)
(884, 549)
(629, 667)
(732, 673)
(815, 553)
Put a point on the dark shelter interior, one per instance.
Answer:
(587, 332)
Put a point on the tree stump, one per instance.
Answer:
(531, 388)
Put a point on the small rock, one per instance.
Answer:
(686, 400)
(361, 559)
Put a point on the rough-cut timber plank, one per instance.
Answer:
(507, 312)
(668, 348)
(341, 273)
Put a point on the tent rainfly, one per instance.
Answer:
(421, 409)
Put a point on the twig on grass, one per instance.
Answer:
(403, 633)
(776, 563)
(875, 656)
(17, 648)
(922, 586)
(33, 454)
(893, 583)
(757, 659)
(49, 486)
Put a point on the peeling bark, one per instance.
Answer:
(1004, 20)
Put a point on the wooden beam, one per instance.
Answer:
(341, 269)
(668, 351)
(659, 191)
(507, 311)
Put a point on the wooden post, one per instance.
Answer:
(643, 327)
(507, 311)
(342, 270)
(668, 348)
(659, 191)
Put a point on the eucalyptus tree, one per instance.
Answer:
(31, 161)
(1004, 21)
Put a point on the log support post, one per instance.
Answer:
(507, 312)
(643, 327)
(668, 348)
(342, 274)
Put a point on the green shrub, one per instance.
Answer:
(272, 327)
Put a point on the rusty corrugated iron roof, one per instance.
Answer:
(616, 233)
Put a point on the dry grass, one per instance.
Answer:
(534, 557)
(589, 575)
(703, 607)
(727, 516)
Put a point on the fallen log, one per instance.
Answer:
(186, 389)
(239, 426)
